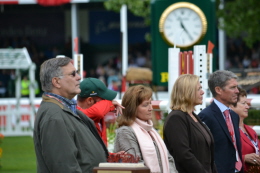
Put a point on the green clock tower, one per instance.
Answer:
(181, 24)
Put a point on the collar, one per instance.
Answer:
(71, 104)
(221, 106)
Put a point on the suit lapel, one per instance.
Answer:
(245, 138)
(199, 129)
(251, 132)
(220, 118)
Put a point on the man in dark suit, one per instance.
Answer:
(224, 126)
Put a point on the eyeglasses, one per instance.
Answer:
(73, 74)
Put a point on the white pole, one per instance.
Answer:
(173, 65)
(123, 26)
(74, 26)
(200, 69)
(32, 93)
(173, 70)
(222, 42)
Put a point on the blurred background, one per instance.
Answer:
(47, 28)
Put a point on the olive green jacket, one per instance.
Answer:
(65, 142)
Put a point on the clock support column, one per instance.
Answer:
(159, 48)
(180, 63)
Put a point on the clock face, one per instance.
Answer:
(183, 24)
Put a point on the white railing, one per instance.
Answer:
(19, 121)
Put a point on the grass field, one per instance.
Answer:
(18, 155)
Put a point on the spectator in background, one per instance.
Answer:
(11, 84)
(114, 85)
(65, 140)
(95, 101)
(140, 59)
(92, 73)
(2, 89)
(249, 138)
(4, 78)
(101, 73)
(237, 63)
(246, 62)
(131, 61)
(112, 79)
(25, 86)
(255, 54)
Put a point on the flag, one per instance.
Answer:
(210, 47)
(52, 2)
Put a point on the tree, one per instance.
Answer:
(137, 7)
(241, 19)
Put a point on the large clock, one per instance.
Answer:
(183, 24)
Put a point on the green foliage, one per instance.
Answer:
(241, 19)
(253, 117)
(18, 155)
(111, 134)
(139, 8)
(1, 150)
(159, 126)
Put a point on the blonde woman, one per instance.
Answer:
(187, 138)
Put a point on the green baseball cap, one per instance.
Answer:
(91, 87)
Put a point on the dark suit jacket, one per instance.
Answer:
(225, 153)
(247, 146)
(187, 144)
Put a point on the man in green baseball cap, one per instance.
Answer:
(93, 87)
(95, 101)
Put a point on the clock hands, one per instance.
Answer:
(184, 28)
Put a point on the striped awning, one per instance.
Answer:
(15, 59)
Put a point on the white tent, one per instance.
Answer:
(19, 59)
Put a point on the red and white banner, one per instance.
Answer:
(41, 2)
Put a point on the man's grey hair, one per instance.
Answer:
(219, 79)
(52, 68)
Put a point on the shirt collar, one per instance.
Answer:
(221, 106)
(71, 104)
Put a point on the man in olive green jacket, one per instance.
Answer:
(65, 140)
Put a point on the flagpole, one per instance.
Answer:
(74, 29)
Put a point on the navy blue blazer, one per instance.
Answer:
(225, 153)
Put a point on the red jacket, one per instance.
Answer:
(97, 113)
(247, 146)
